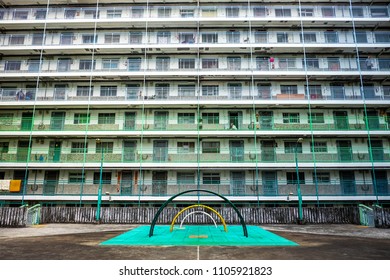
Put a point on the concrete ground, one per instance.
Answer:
(81, 242)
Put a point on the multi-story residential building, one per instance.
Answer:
(151, 98)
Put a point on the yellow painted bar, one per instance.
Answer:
(203, 206)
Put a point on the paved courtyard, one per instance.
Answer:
(82, 242)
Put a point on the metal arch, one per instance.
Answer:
(203, 206)
(200, 190)
(198, 212)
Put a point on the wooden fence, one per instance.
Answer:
(13, 216)
(145, 215)
(382, 217)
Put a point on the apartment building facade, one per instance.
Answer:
(147, 99)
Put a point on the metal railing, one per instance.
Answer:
(285, 190)
(134, 13)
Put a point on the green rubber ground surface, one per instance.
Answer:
(198, 235)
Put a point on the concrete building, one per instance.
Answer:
(254, 100)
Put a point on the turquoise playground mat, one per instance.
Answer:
(198, 235)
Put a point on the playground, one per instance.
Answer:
(84, 242)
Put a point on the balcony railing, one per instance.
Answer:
(122, 122)
(243, 187)
(190, 12)
(233, 156)
(207, 65)
(172, 92)
(210, 38)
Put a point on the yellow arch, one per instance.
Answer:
(203, 206)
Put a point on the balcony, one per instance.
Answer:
(77, 41)
(170, 157)
(222, 66)
(132, 189)
(175, 92)
(191, 12)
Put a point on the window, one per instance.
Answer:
(186, 90)
(112, 38)
(132, 91)
(307, 12)
(361, 37)
(110, 63)
(135, 37)
(107, 147)
(235, 90)
(186, 118)
(108, 90)
(264, 91)
(66, 38)
(211, 147)
(6, 118)
(76, 177)
(283, 12)
(186, 63)
(288, 89)
(322, 177)
(316, 118)
(185, 178)
(162, 91)
(20, 14)
(211, 178)
(312, 63)
(234, 63)
(232, 11)
(210, 63)
(164, 12)
(290, 117)
(16, 40)
(210, 90)
(210, 38)
(106, 118)
(114, 13)
(331, 37)
(289, 147)
(309, 37)
(187, 38)
(328, 11)
(81, 118)
(90, 13)
(164, 37)
(89, 38)
(261, 37)
(357, 11)
(185, 147)
(210, 118)
(106, 178)
(259, 11)
(86, 64)
(70, 13)
(79, 148)
(379, 12)
(315, 91)
(233, 37)
(292, 178)
(319, 147)
(12, 65)
(37, 39)
(134, 63)
(287, 63)
(282, 37)
(187, 13)
(137, 12)
(4, 146)
(40, 14)
(84, 90)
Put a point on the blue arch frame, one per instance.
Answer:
(200, 190)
